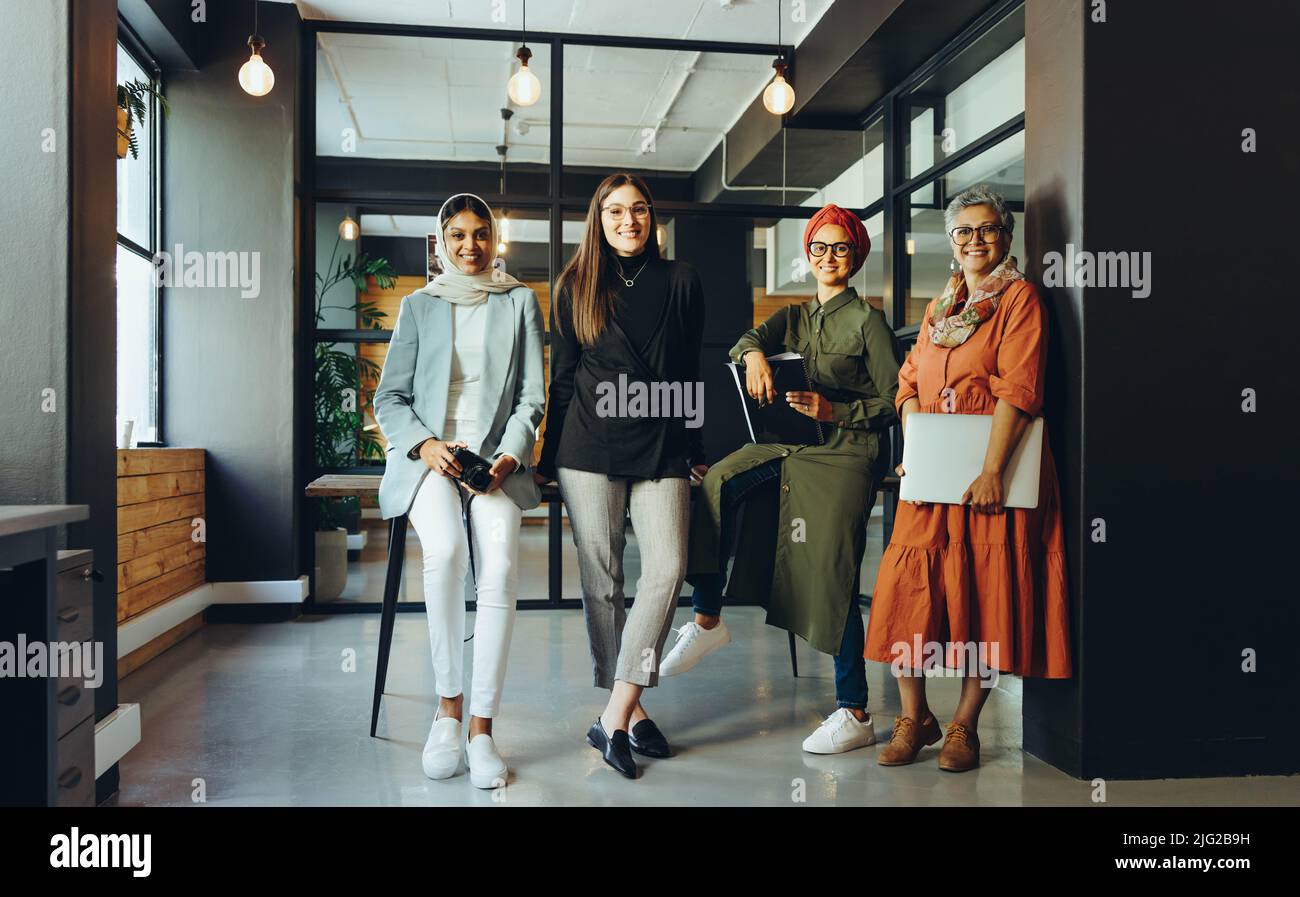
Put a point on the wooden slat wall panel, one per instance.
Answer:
(159, 493)
(133, 490)
(156, 563)
(150, 513)
(135, 462)
(157, 590)
(765, 304)
(146, 541)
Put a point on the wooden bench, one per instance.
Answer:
(357, 485)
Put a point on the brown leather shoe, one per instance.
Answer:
(907, 740)
(961, 749)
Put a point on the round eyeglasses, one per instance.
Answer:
(989, 233)
(638, 210)
(839, 250)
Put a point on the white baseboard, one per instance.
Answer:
(116, 734)
(142, 629)
(357, 541)
(268, 591)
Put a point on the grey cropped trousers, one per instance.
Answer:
(627, 645)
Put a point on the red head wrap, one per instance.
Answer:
(833, 214)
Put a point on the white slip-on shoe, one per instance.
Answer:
(441, 756)
(486, 768)
(693, 644)
(840, 732)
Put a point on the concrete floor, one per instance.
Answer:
(271, 715)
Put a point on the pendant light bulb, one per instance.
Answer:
(349, 229)
(255, 76)
(778, 97)
(524, 88)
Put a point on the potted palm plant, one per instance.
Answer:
(132, 106)
(342, 403)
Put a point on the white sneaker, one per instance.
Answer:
(441, 756)
(693, 644)
(486, 768)
(840, 732)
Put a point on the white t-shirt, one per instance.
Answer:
(463, 392)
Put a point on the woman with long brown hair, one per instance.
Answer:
(625, 323)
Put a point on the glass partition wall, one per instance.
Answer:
(403, 117)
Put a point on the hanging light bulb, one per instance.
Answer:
(778, 97)
(348, 228)
(524, 88)
(504, 228)
(501, 248)
(255, 76)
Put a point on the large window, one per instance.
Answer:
(961, 124)
(137, 235)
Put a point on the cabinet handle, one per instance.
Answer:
(70, 695)
(69, 615)
(70, 777)
(91, 573)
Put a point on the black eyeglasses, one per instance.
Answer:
(616, 212)
(840, 250)
(989, 233)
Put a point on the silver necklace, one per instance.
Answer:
(632, 282)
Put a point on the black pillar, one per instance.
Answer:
(1177, 489)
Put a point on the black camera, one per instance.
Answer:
(475, 472)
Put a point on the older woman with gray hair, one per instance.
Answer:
(976, 585)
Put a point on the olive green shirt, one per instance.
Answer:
(848, 349)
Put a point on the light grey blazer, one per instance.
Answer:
(411, 400)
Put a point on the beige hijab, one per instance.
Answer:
(455, 285)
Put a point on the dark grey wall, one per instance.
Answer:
(170, 30)
(229, 172)
(1193, 491)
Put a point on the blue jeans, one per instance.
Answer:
(850, 668)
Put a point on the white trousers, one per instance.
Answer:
(495, 519)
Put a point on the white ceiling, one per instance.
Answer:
(440, 98)
(753, 21)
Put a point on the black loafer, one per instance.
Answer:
(614, 748)
(648, 741)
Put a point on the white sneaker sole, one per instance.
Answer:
(676, 669)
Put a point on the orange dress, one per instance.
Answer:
(950, 575)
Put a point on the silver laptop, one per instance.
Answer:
(944, 453)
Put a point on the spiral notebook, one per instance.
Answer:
(778, 422)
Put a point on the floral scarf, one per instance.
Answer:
(948, 329)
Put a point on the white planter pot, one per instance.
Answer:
(331, 563)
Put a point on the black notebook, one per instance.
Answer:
(778, 422)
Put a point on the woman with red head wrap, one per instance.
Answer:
(800, 539)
